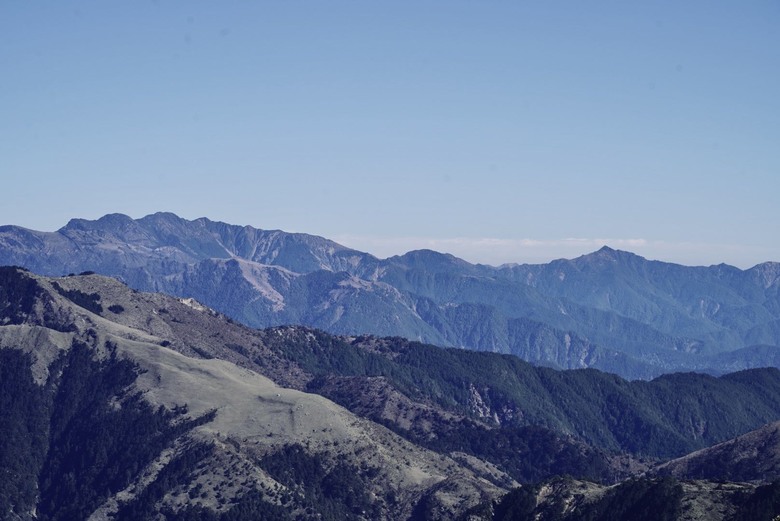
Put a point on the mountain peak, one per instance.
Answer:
(768, 273)
(426, 253)
(167, 216)
(164, 219)
(430, 259)
(108, 221)
(605, 253)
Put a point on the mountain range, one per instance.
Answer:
(106, 417)
(119, 404)
(610, 310)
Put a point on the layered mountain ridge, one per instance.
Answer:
(609, 310)
(119, 404)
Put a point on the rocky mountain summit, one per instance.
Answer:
(610, 310)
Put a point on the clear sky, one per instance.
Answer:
(499, 131)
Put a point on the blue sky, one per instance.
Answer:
(498, 131)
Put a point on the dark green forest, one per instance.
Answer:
(17, 295)
(663, 418)
(89, 301)
(65, 443)
(637, 499)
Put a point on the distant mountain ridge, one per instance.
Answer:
(610, 310)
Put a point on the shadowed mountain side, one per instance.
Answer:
(672, 414)
(665, 499)
(754, 456)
